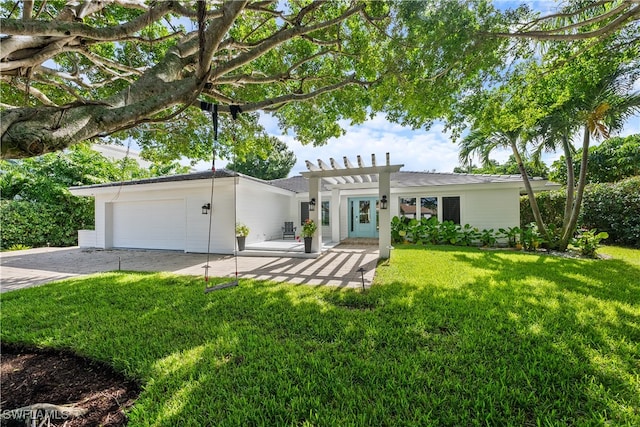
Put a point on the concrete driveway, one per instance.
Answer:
(336, 267)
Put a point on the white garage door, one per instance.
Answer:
(150, 224)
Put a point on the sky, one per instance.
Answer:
(417, 150)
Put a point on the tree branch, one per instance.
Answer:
(279, 38)
(557, 33)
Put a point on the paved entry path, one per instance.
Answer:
(336, 267)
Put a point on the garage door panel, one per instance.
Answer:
(149, 224)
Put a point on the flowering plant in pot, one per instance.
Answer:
(242, 231)
(308, 230)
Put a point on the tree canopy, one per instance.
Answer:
(612, 160)
(77, 70)
(72, 71)
(510, 167)
(274, 163)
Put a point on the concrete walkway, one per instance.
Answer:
(336, 267)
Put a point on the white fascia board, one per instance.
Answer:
(173, 185)
(151, 186)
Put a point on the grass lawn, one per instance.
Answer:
(446, 336)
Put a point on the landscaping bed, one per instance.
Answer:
(30, 376)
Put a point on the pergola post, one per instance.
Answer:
(384, 190)
(334, 217)
(316, 215)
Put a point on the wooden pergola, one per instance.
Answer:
(349, 177)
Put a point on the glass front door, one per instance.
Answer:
(363, 217)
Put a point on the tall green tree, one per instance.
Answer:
(274, 163)
(599, 105)
(612, 160)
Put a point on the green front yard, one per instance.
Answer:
(446, 336)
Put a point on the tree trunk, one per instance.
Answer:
(527, 185)
(567, 233)
(568, 203)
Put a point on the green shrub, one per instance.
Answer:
(41, 224)
(531, 238)
(18, 247)
(588, 242)
(512, 235)
(614, 208)
(430, 231)
(551, 205)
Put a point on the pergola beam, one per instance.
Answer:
(355, 172)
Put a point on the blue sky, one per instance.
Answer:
(417, 150)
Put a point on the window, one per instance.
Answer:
(407, 207)
(451, 209)
(325, 213)
(429, 207)
(304, 212)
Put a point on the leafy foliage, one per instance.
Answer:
(309, 228)
(431, 231)
(510, 167)
(612, 160)
(136, 68)
(588, 241)
(613, 208)
(37, 208)
(276, 162)
(551, 205)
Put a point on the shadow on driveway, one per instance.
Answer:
(337, 267)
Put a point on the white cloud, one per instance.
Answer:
(418, 150)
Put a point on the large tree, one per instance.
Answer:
(275, 162)
(76, 70)
(612, 160)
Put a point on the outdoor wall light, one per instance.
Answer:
(206, 208)
(312, 204)
(383, 202)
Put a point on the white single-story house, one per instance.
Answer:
(170, 212)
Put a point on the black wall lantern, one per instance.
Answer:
(312, 204)
(206, 208)
(383, 202)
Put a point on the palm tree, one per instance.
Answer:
(482, 143)
(598, 110)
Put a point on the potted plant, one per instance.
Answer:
(242, 231)
(308, 230)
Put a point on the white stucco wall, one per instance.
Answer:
(169, 215)
(481, 206)
(487, 209)
(264, 210)
(180, 225)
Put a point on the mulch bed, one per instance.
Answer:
(29, 376)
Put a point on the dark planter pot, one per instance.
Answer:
(307, 244)
(241, 240)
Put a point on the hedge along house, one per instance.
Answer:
(351, 202)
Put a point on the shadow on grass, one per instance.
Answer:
(526, 342)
